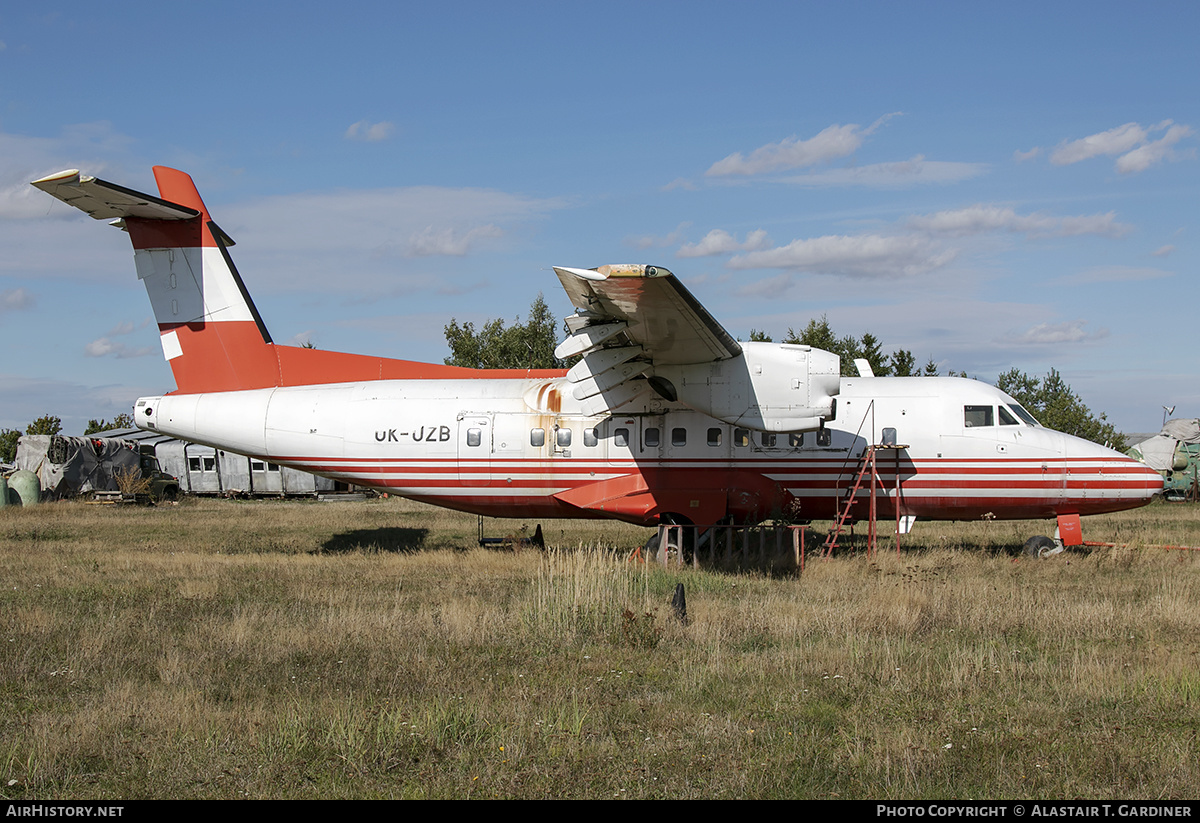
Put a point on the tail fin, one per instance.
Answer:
(211, 333)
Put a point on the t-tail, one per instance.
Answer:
(211, 333)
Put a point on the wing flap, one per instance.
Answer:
(629, 320)
(662, 315)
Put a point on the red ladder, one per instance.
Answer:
(866, 464)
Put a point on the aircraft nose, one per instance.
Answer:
(1101, 472)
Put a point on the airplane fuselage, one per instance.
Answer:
(523, 448)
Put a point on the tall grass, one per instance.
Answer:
(280, 649)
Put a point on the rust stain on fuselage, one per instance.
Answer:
(549, 398)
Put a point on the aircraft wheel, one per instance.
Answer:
(1038, 546)
(650, 550)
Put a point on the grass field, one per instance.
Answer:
(221, 649)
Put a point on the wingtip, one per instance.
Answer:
(586, 274)
(66, 176)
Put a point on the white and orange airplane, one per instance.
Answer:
(665, 419)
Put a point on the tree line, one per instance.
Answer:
(530, 345)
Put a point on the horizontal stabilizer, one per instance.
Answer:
(108, 201)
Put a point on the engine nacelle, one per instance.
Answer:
(771, 387)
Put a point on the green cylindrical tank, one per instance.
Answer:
(25, 484)
(3, 491)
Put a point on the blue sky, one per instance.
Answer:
(989, 185)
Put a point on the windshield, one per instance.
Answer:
(1024, 415)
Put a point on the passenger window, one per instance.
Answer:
(564, 437)
(767, 439)
(589, 437)
(741, 437)
(678, 437)
(796, 440)
(210, 464)
(714, 437)
(473, 437)
(824, 437)
(976, 416)
(537, 437)
(193, 464)
(621, 437)
(652, 437)
(1007, 419)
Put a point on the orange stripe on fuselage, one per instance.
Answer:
(214, 360)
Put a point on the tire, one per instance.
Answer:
(650, 550)
(1038, 546)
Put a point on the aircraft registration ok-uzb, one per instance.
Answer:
(666, 418)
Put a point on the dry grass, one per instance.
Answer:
(283, 649)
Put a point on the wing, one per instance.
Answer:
(629, 319)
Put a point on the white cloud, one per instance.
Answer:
(719, 241)
(453, 242)
(1146, 156)
(984, 218)
(369, 132)
(916, 171)
(1162, 251)
(1114, 141)
(104, 346)
(861, 256)
(1022, 156)
(292, 242)
(1056, 333)
(1131, 141)
(15, 300)
(793, 153)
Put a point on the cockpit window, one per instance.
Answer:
(975, 416)
(1024, 415)
(1006, 418)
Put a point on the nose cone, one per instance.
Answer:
(1099, 479)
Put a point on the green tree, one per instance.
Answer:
(121, 421)
(1056, 406)
(817, 334)
(931, 369)
(8, 444)
(903, 364)
(757, 336)
(871, 351)
(528, 345)
(820, 335)
(46, 424)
